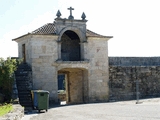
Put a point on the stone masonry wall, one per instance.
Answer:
(43, 54)
(75, 87)
(26, 41)
(98, 70)
(123, 76)
(134, 61)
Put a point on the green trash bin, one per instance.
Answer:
(40, 99)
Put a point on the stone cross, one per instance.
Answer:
(70, 17)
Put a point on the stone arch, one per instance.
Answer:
(70, 46)
(81, 37)
(74, 29)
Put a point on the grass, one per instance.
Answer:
(4, 109)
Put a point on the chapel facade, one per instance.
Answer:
(66, 47)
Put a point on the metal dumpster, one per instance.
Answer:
(40, 99)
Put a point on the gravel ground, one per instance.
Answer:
(127, 110)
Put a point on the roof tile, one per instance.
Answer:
(50, 29)
(46, 29)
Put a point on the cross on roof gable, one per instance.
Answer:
(70, 17)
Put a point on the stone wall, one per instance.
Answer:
(75, 87)
(123, 76)
(134, 61)
(43, 54)
(25, 40)
(98, 69)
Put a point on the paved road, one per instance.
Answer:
(148, 110)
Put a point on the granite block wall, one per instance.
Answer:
(124, 72)
(134, 61)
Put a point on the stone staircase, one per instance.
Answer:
(23, 77)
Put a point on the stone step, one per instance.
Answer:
(25, 91)
(22, 80)
(23, 87)
(26, 104)
(24, 94)
(19, 79)
(25, 101)
(25, 98)
(21, 74)
(24, 84)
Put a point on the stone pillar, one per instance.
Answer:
(83, 50)
(59, 50)
(85, 86)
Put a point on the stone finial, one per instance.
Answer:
(83, 16)
(58, 14)
(71, 17)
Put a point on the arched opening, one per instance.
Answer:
(70, 46)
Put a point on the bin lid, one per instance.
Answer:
(40, 91)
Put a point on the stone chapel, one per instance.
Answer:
(67, 47)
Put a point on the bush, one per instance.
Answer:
(7, 68)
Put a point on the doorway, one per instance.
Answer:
(76, 86)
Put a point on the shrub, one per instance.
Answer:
(7, 68)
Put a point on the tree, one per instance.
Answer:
(7, 68)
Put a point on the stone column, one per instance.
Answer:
(59, 50)
(83, 50)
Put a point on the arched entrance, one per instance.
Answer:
(76, 85)
(70, 46)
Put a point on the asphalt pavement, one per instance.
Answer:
(147, 109)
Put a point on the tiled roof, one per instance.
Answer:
(50, 29)
(93, 34)
(46, 29)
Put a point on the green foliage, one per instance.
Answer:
(7, 68)
(4, 109)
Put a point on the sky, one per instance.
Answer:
(134, 24)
